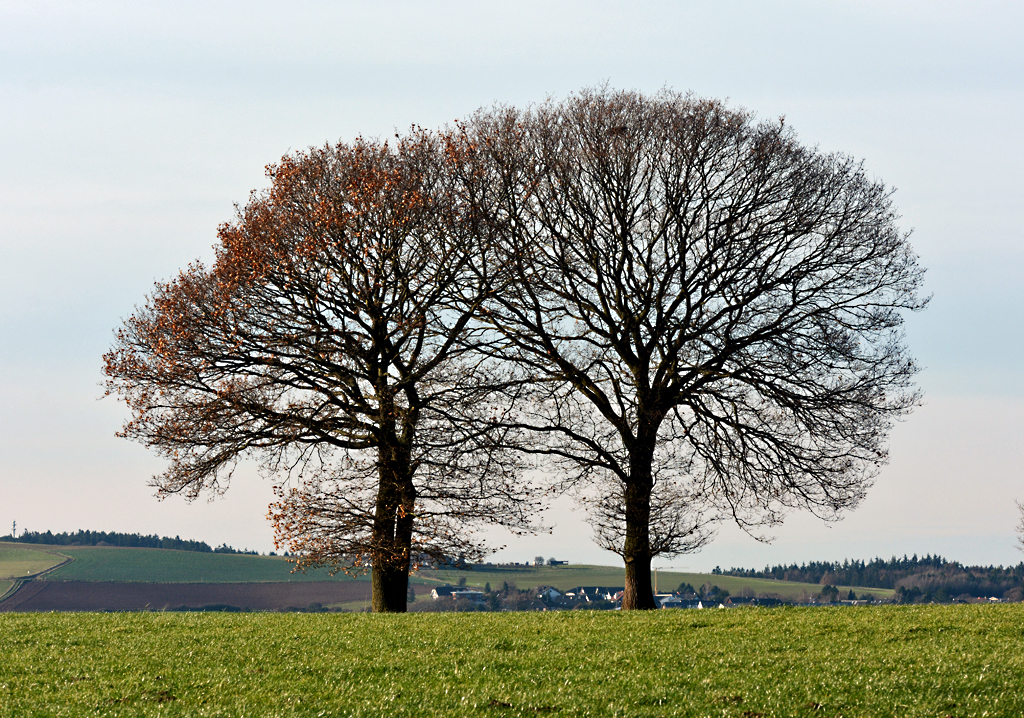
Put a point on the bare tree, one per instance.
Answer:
(711, 312)
(331, 341)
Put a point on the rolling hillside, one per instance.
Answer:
(153, 565)
(134, 579)
(19, 560)
(566, 577)
(119, 573)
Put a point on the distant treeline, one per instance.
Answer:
(113, 538)
(920, 578)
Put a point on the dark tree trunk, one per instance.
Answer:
(639, 594)
(390, 588)
(392, 530)
(636, 550)
(389, 580)
(398, 590)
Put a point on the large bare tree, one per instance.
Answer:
(711, 312)
(330, 340)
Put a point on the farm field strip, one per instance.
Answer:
(881, 661)
(152, 565)
(19, 560)
(791, 590)
(100, 596)
(38, 596)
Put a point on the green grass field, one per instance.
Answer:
(5, 586)
(880, 661)
(17, 560)
(150, 565)
(566, 577)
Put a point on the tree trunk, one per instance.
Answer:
(638, 595)
(392, 530)
(390, 588)
(402, 547)
(389, 577)
(636, 550)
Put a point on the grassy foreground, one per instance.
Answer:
(880, 661)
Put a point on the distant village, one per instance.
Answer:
(508, 597)
(546, 598)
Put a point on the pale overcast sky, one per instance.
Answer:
(129, 130)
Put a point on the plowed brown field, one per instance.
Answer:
(104, 596)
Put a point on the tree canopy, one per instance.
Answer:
(712, 312)
(330, 341)
(693, 317)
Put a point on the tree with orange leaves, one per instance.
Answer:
(332, 341)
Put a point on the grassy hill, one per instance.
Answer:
(151, 565)
(19, 560)
(566, 577)
(144, 565)
(882, 661)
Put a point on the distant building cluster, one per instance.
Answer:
(548, 598)
(597, 597)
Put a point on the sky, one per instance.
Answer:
(128, 131)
